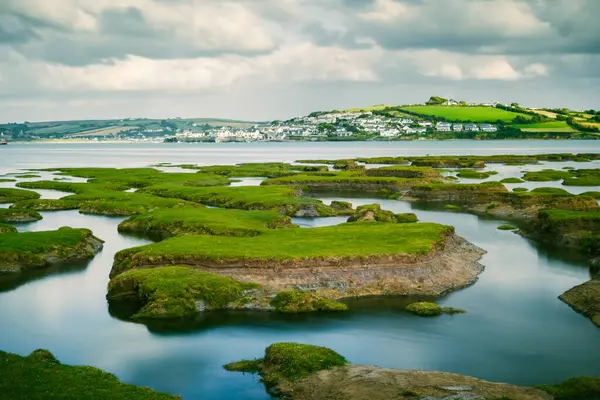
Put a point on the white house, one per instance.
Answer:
(443, 126)
(471, 128)
(488, 128)
(425, 124)
(457, 127)
(392, 132)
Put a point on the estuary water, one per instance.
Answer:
(516, 329)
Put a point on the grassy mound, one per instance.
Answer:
(520, 190)
(404, 172)
(172, 292)
(426, 309)
(512, 180)
(579, 388)
(583, 177)
(47, 205)
(472, 174)
(10, 195)
(164, 223)
(41, 249)
(550, 191)
(337, 243)
(18, 215)
(294, 301)
(5, 228)
(593, 194)
(27, 176)
(269, 170)
(290, 361)
(546, 175)
(40, 376)
(507, 227)
(3, 180)
(283, 199)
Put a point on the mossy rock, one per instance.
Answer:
(13, 215)
(406, 218)
(295, 301)
(5, 228)
(175, 292)
(512, 180)
(372, 213)
(520, 190)
(451, 207)
(290, 362)
(507, 227)
(3, 180)
(41, 355)
(472, 174)
(427, 309)
(546, 175)
(342, 207)
(11, 195)
(47, 205)
(550, 190)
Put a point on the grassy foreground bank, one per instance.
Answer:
(40, 376)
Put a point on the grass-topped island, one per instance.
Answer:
(302, 371)
(293, 270)
(22, 251)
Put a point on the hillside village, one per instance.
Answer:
(335, 124)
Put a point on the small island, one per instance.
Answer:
(301, 371)
(23, 251)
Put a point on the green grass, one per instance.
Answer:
(40, 376)
(384, 160)
(553, 126)
(10, 195)
(480, 187)
(546, 175)
(290, 361)
(27, 176)
(404, 172)
(456, 113)
(579, 388)
(47, 205)
(3, 180)
(594, 194)
(269, 170)
(283, 199)
(583, 177)
(426, 309)
(507, 227)
(512, 180)
(165, 223)
(550, 190)
(473, 174)
(5, 228)
(32, 248)
(172, 292)
(520, 190)
(295, 301)
(17, 215)
(346, 240)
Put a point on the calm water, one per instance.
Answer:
(516, 329)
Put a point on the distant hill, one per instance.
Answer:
(100, 128)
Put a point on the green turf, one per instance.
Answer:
(260, 169)
(171, 292)
(295, 301)
(10, 195)
(546, 175)
(280, 198)
(512, 180)
(5, 228)
(346, 240)
(290, 361)
(40, 376)
(580, 388)
(473, 174)
(18, 215)
(165, 223)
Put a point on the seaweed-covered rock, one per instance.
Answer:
(34, 250)
(585, 299)
(17, 215)
(426, 309)
(296, 301)
(342, 207)
(372, 213)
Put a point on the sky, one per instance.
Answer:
(273, 59)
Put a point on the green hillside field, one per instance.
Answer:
(460, 113)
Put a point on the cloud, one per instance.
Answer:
(291, 54)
